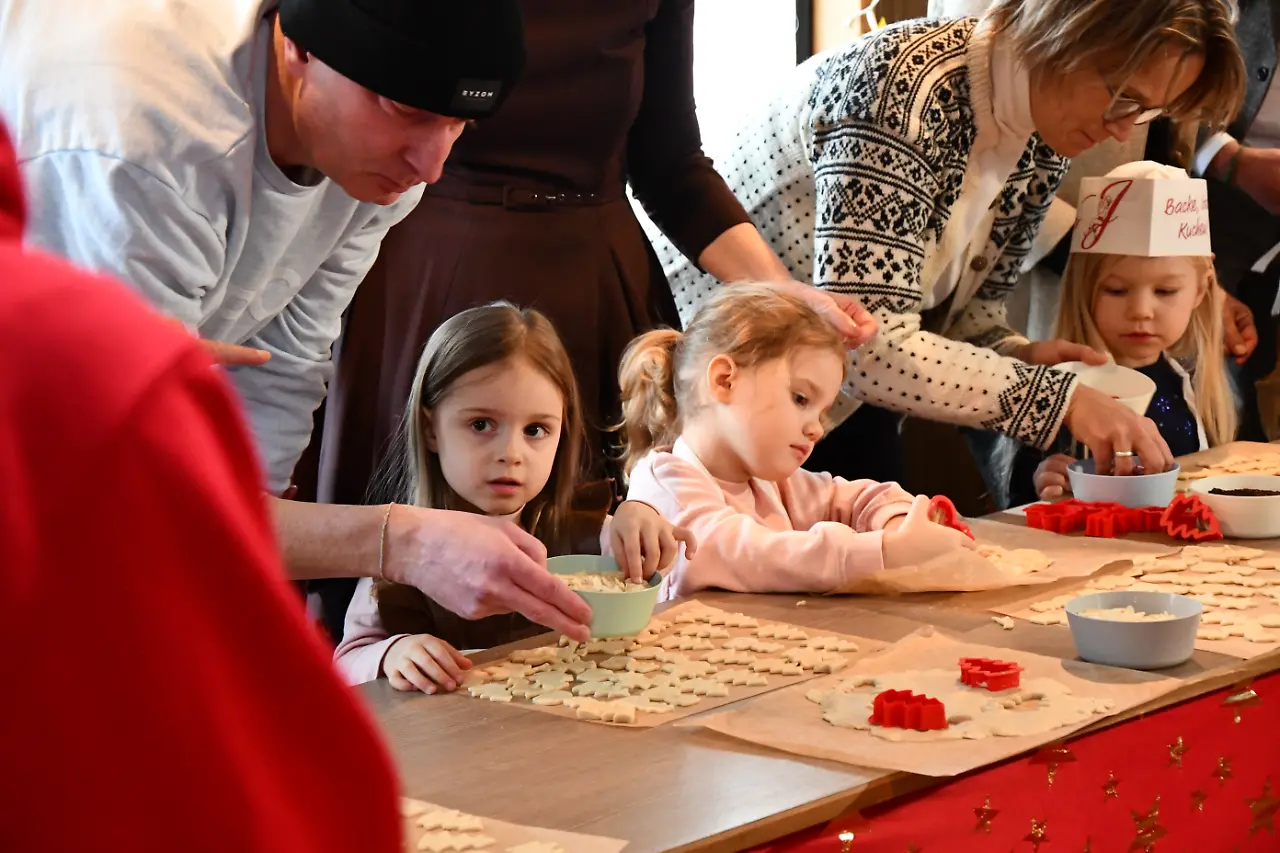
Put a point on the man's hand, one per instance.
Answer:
(854, 322)
(1239, 334)
(478, 566)
(232, 355)
(1058, 352)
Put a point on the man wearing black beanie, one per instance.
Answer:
(238, 162)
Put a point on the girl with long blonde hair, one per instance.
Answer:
(1161, 316)
(717, 421)
(493, 426)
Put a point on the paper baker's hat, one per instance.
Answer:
(1143, 209)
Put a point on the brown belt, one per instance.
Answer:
(515, 197)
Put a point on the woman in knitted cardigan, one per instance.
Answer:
(878, 167)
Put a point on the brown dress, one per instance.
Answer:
(532, 209)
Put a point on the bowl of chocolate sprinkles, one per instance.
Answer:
(1247, 505)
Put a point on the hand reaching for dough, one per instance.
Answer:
(643, 542)
(1051, 477)
(917, 539)
(423, 662)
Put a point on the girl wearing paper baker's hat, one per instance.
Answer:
(913, 169)
(1140, 288)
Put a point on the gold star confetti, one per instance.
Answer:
(1264, 811)
(1109, 788)
(1037, 835)
(1147, 829)
(1242, 696)
(1197, 800)
(846, 841)
(1223, 773)
(1176, 750)
(985, 814)
(1054, 757)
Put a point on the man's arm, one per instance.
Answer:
(282, 395)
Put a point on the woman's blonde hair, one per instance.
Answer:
(1118, 38)
(476, 338)
(659, 374)
(1201, 342)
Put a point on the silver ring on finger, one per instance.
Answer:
(1124, 454)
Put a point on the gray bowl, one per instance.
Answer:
(1135, 645)
(1134, 490)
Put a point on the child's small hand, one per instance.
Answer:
(644, 542)
(423, 662)
(1051, 477)
(917, 539)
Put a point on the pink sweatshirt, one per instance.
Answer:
(809, 533)
(365, 642)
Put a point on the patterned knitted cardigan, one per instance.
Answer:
(851, 174)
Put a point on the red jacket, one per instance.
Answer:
(163, 690)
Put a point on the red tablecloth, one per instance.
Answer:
(1200, 777)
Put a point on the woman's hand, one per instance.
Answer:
(1051, 477)
(644, 542)
(1115, 434)
(1239, 334)
(917, 539)
(854, 322)
(423, 662)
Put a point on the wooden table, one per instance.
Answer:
(671, 788)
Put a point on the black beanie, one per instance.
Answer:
(456, 58)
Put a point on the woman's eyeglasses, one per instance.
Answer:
(1122, 108)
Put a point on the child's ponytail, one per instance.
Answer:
(650, 416)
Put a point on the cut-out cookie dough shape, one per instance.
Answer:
(644, 705)
(1051, 604)
(707, 687)
(633, 681)
(1224, 602)
(1270, 620)
(596, 674)
(647, 653)
(729, 657)
(492, 692)
(816, 660)
(1255, 633)
(751, 644)
(830, 644)
(776, 666)
(672, 696)
(1213, 632)
(555, 697)
(537, 847)
(734, 620)
(552, 680)
(1163, 577)
(1005, 622)
(608, 712)
(439, 842)
(1264, 563)
(600, 690)
(616, 664)
(707, 631)
(609, 647)
(643, 666)
(689, 669)
(1052, 617)
(687, 644)
(505, 671)
(742, 678)
(533, 657)
(410, 807)
(781, 632)
(450, 820)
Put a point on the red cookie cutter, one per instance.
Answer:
(943, 511)
(1188, 517)
(1103, 519)
(902, 709)
(994, 675)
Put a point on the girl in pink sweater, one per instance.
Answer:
(493, 425)
(717, 422)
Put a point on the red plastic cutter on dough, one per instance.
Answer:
(994, 675)
(902, 709)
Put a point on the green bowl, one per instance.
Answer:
(613, 614)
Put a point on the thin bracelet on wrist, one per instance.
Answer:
(382, 539)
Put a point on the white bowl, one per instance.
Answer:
(1121, 383)
(1135, 645)
(1243, 517)
(1133, 490)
